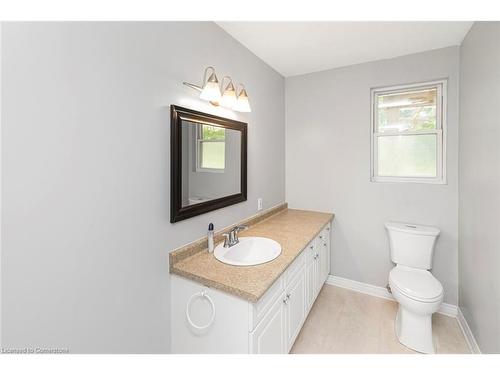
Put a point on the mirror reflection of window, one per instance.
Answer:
(211, 148)
(211, 162)
(209, 169)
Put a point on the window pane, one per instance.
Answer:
(407, 111)
(407, 155)
(210, 132)
(213, 155)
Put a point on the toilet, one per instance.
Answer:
(417, 291)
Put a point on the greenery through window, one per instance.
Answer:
(211, 148)
(407, 133)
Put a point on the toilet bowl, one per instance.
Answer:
(417, 291)
(419, 295)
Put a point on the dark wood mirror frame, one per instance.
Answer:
(177, 116)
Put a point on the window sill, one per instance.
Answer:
(413, 180)
(209, 170)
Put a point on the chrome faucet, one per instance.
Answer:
(231, 238)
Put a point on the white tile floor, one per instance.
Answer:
(343, 321)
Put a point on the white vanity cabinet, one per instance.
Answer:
(310, 274)
(207, 320)
(323, 244)
(295, 306)
(318, 265)
(268, 337)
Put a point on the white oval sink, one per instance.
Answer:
(250, 251)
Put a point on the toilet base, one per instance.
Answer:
(415, 331)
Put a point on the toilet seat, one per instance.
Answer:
(419, 285)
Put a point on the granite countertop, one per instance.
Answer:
(292, 229)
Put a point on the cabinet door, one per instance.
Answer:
(317, 266)
(310, 281)
(329, 246)
(295, 307)
(268, 337)
(323, 263)
(326, 245)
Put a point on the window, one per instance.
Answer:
(408, 133)
(211, 148)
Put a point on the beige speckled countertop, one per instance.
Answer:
(292, 229)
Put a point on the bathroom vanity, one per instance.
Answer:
(220, 308)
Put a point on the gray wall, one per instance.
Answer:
(85, 174)
(479, 208)
(328, 165)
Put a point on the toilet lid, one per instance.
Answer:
(415, 283)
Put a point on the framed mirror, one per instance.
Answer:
(208, 167)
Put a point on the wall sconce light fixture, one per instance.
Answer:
(230, 98)
(242, 103)
(210, 90)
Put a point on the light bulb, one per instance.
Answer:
(242, 103)
(211, 90)
(228, 99)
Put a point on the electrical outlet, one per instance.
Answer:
(259, 204)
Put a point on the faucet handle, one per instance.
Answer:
(240, 227)
(234, 232)
(226, 239)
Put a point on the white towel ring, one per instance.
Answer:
(202, 294)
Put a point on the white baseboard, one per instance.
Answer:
(381, 292)
(469, 337)
(372, 290)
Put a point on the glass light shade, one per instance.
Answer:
(242, 103)
(228, 99)
(211, 90)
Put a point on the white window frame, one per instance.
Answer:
(199, 141)
(440, 132)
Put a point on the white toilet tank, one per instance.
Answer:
(412, 245)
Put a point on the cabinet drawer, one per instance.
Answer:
(295, 267)
(259, 309)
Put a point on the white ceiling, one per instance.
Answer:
(293, 48)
